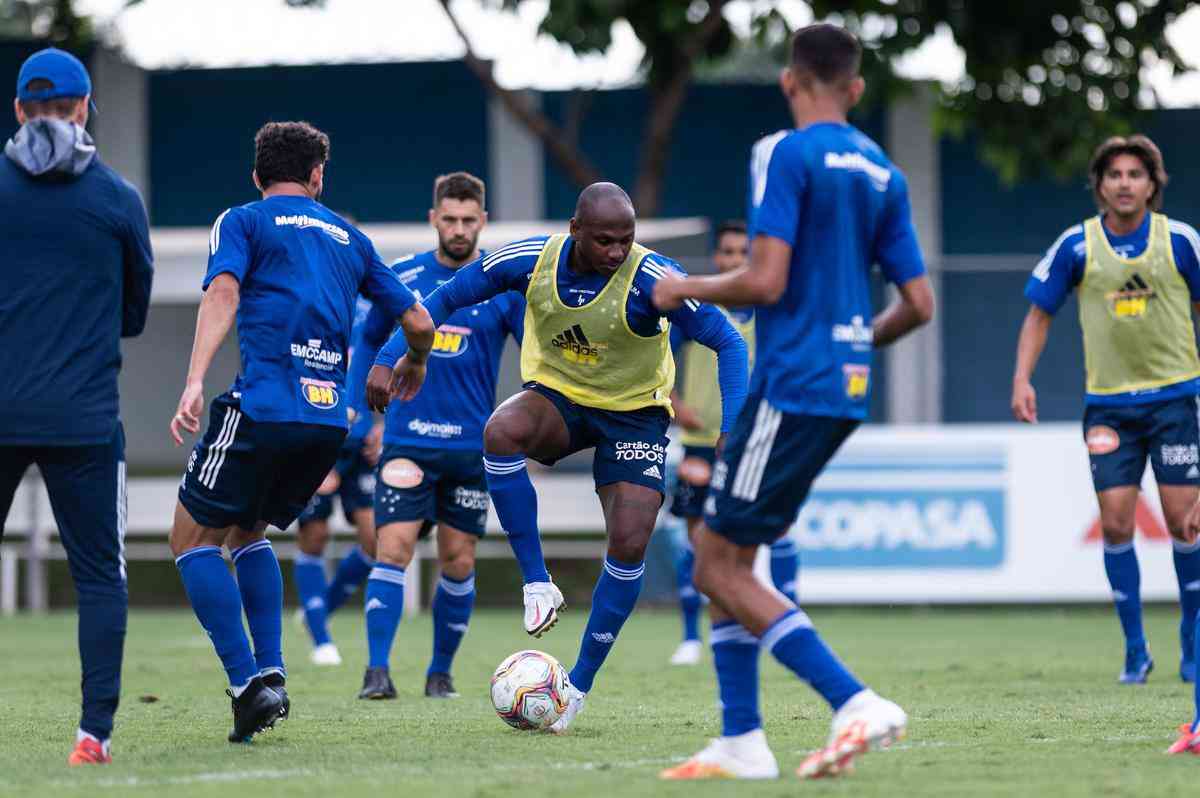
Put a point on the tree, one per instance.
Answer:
(52, 21)
(1044, 80)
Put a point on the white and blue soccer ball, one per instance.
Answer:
(529, 690)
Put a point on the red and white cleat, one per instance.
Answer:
(1188, 742)
(746, 756)
(864, 723)
(89, 751)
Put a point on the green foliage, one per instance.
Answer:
(52, 21)
(1002, 702)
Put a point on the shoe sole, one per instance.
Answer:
(1140, 680)
(547, 624)
(377, 696)
(266, 727)
(839, 757)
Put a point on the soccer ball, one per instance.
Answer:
(529, 690)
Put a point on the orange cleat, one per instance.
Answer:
(1188, 742)
(866, 722)
(695, 769)
(89, 752)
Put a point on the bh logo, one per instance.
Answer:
(321, 394)
(451, 341)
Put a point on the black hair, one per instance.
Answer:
(730, 226)
(461, 186)
(826, 52)
(287, 152)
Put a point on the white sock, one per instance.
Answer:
(237, 691)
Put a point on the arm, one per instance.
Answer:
(1029, 348)
(375, 331)
(138, 267)
(761, 282)
(708, 326)
(911, 310)
(218, 309)
(404, 379)
(685, 414)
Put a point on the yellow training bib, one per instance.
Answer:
(589, 353)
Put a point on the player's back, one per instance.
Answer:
(830, 192)
(301, 266)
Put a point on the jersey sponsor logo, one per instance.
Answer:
(471, 499)
(401, 473)
(1132, 301)
(576, 347)
(321, 394)
(303, 221)
(857, 380)
(872, 509)
(451, 341)
(434, 429)
(315, 357)
(860, 336)
(1102, 440)
(857, 162)
(1180, 454)
(627, 451)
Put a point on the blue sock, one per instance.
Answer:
(261, 585)
(452, 605)
(689, 599)
(351, 573)
(218, 606)
(384, 607)
(516, 506)
(612, 602)
(794, 642)
(735, 657)
(785, 564)
(1187, 572)
(1121, 565)
(309, 573)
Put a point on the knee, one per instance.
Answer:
(458, 564)
(313, 537)
(239, 538)
(393, 547)
(704, 576)
(1117, 532)
(628, 548)
(506, 434)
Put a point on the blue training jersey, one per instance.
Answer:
(459, 392)
(509, 268)
(830, 193)
(300, 268)
(1061, 270)
(361, 418)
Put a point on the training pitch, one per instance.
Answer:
(1001, 702)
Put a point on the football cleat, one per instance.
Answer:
(746, 756)
(574, 698)
(377, 685)
(865, 722)
(1138, 665)
(276, 681)
(440, 685)
(254, 711)
(325, 654)
(688, 653)
(1188, 742)
(89, 751)
(543, 600)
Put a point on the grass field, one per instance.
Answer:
(1002, 702)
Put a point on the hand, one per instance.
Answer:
(1024, 401)
(668, 292)
(1191, 525)
(407, 378)
(686, 416)
(187, 415)
(379, 388)
(373, 444)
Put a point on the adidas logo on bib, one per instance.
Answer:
(652, 471)
(576, 347)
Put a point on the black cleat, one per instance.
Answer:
(275, 680)
(255, 710)
(377, 685)
(440, 685)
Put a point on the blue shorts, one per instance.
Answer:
(631, 445)
(1119, 439)
(691, 481)
(433, 485)
(243, 472)
(763, 477)
(352, 480)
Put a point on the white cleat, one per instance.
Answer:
(865, 722)
(746, 756)
(688, 653)
(574, 707)
(543, 600)
(325, 654)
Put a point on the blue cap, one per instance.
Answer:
(65, 71)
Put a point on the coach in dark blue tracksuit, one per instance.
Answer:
(75, 273)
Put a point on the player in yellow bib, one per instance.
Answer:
(598, 372)
(697, 408)
(1137, 276)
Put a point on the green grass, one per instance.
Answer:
(1002, 702)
